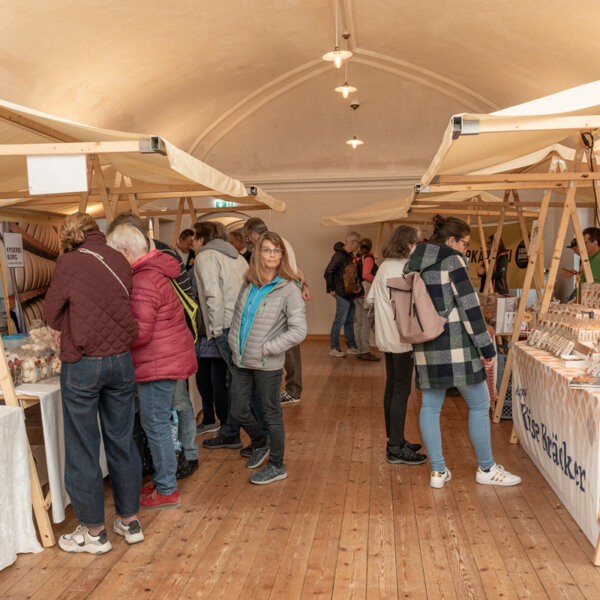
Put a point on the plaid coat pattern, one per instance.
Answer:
(454, 358)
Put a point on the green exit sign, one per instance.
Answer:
(223, 204)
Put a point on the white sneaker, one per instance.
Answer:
(352, 351)
(497, 475)
(437, 480)
(131, 532)
(337, 353)
(82, 541)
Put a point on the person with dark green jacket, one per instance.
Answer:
(458, 356)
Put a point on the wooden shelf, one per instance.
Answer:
(29, 295)
(31, 244)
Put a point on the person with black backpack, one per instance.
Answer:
(343, 283)
(367, 269)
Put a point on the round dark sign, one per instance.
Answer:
(521, 258)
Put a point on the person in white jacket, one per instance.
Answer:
(398, 355)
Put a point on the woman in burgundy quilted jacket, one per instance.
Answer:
(87, 305)
(162, 353)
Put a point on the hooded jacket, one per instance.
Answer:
(164, 348)
(334, 273)
(278, 324)
(87, 304)
(219, 270)
(454, 358)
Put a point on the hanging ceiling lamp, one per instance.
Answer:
(345, 89)
(354, 142)
(337, 56)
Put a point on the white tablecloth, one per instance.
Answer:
(48, 392)
(17, 532)
(559, 427)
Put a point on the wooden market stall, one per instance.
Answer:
(124, 171)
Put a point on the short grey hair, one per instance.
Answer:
(254, 225)
(128, 236)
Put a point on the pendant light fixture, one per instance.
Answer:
(354, 142)
(337, 56)
(345, 89)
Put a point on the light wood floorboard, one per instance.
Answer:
(345, 524)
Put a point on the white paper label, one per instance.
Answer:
(13, 244)
(57, 174)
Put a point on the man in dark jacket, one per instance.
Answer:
(344, 305)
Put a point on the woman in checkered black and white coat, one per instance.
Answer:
(458, 356)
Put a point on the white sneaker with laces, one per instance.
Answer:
(286, 398)
(132, 532)
(336, 353)
(82, 541)
(352, 351)
(497, 475)
(437, 480)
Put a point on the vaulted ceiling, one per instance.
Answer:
(241, 84)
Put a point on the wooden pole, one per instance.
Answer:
(108, 212)
(494, 250)
(486, 262)
(192, 210)
(178, 221)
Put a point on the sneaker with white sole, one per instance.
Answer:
(287, 398)
(259, 455)
(132, 532)
(337, 353)
(82, 541)
(437, 479)
(269, 474)
(497, 475)
(352, 351)
(206, 428)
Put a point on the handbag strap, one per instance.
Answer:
(101, 259)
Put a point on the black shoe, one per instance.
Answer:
(368, 356)
(413, 447)
(223, 441)
(406, 456)
(246, 452)
(186, 467)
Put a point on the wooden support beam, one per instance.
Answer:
(204, 211)
(489, 280)
(192, 210)
(68, 148)
(482, 239)
(564, 176)
(31, 125)
(108, 212)
(177, 221)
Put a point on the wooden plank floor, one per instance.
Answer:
(344, 524)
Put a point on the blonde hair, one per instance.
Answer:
(255, 272)
(128, 236)
(73, 230)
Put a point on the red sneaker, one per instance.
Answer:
(156, 500)
(147, 488)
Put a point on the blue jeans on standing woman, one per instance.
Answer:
(477, 398)
(155, 414)
(344, 316)
(104, 386)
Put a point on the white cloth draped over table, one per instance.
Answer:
(17, 531)
(54, 441)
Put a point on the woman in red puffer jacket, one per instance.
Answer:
(162, 353)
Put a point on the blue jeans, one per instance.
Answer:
(344, 315)
(478, 399)
(105, 386)
(187, 419)
(155, 413)
(231, 427)
(267, 384)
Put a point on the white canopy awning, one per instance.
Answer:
(151, 164)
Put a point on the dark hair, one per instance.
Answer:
(205, 230)
(501, 246)
(185, 234)
(450, 227)
(237, 235)
(398, 243)
(128, 218)
(593, 233)
(366, 244)
(255, 225)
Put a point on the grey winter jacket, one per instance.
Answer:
(219, 271)
(279, 324)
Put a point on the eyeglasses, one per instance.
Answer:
(465, 243)
(271, 251)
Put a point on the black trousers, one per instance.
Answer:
(398, 369)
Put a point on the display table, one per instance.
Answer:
(559, 428)
(17, 532)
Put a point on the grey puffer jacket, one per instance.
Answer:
(279, 324)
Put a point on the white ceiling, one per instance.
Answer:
(240, 83)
